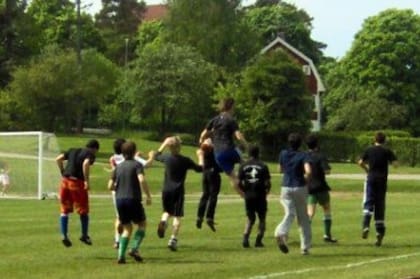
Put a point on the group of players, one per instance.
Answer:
(304, 185)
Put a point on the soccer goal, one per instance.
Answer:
(28, 158)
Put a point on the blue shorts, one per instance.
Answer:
(227, 159)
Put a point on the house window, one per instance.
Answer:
(306, 70)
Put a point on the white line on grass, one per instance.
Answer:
(336, 267)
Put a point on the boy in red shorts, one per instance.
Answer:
(74, 187)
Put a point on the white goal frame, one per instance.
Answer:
(41, 195)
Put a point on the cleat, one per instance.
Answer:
(258, 241)
(365, 233)
(259, 244)
(121, 261)
(245, 243)
(305, 252)
(281, 243)
(66, 242)
(329, 239)
(161, 229)
(86, 240)
(172, 244)
(379, 238)
(135, 255)
(199, 223)
(211, 224)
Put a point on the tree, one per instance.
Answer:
(286, 20)
(55, 93)
(118, 21)
(261, 3)
(381, 64)
(171, 88)
(215, 28)
(18, 37)
(149, 32)
(272, 100)
(57, 21)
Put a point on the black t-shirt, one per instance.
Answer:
(210, 161)
(378, 157)
(254, 179)
(222, 128)
(125, 176)
(319, 165)
(75, 158)
(176, 167)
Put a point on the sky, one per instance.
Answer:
(335, 22)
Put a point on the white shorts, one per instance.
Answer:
(4, 179)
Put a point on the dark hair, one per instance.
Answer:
(312, 141)
(380, 137)
(226, 104)
(254, 151)
(93, 144)
(295, 141)
(128, 149)
(117, 145)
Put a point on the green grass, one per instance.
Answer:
(31, 246)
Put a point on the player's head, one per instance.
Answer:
(295, 141)
(128, 150)
(226, 104)
(312, 141)
(380, 138)
(93, 144)
(175, 145)
(254, 151)
(117, 145)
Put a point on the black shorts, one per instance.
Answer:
(130, 210)
(173, 202)
(256, 205)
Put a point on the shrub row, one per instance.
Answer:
(340, 147)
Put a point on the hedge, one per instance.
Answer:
(340, 147)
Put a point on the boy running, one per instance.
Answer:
(176, 167)
(74, 187)
(128, 182)
(115, 160)
(375, 162)
(254, 181)
(318, 186)
(4, 177)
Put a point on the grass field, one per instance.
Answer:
(30, 245)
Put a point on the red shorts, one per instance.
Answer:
(73, 194)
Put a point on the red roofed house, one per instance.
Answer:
(313, 80)
(155, 12)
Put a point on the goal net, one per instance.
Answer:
(28, 158)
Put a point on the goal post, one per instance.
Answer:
(29, 158)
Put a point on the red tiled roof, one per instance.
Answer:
(155, 12)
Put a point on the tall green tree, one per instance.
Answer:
(272, 100)
(19, 38)
(55, 93)
(118, 21)
(285, 20)
(59, 24)
(383, 64)
(171, 88)
(215, 28)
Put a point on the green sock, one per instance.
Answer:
(123, 247)
(138, 238)
(327, 225)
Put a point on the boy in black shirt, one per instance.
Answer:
(128, 182)
(176, 167)
(317, 185)
(254, 181)
(375, 162)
